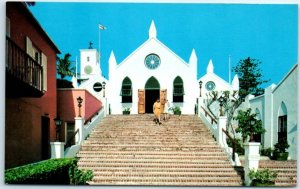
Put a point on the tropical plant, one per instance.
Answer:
(248, 125)
(262, 177)
(250, 77)
(281, 146)
(64, 66)
(176, 110)
(266, 152)
(126, 110)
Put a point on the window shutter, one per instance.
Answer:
(7, 27)
(44, 66)
(29, 47)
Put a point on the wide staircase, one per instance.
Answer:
(133, 150)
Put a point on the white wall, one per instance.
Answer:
(170, 67)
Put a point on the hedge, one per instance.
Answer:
(52, 171)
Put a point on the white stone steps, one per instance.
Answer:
(178, 181)
(113, 165)
(167, 154)
(132, 150)
(154, 161)
(157, 170)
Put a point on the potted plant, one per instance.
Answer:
(126, 110)
(176, 110)
(262, 177)
(280, 148)
(248, 124)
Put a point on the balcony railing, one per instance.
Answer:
(22, 71)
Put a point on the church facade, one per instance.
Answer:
(153, 71)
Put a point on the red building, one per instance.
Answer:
(31, 94)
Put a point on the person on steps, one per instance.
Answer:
(157, 111)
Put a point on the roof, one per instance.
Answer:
(38, 26)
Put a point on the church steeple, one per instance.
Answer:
(152, 30)
(210, 67)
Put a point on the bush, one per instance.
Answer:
(52, 171)
(263, 176)
(281, 146)
(266, 152)
(79, 177)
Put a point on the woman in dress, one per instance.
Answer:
(157, 111)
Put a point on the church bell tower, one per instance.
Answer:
(89, 63)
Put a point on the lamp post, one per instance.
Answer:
(221, 101)
(103, 87)
(252, 123)
(58, 123)
(200, 86)
(79, 100)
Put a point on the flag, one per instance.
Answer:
(101, 27)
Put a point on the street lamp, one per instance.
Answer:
(252, 123)
(79, 100)
(221, 101)
(58, 123)
(200, 86)
(103, 87)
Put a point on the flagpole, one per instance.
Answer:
(99, 43)
(229, 69)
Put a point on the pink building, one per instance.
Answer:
(67, 109)
(30, 101)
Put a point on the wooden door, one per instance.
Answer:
(141, 101)
(163, 96)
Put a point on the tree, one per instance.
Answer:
(250, 77)
(248, 124)
(64, 66)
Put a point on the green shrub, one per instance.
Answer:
(62, 171)
(263, 176)
(266, 152)
(52, 171)
(79, 177)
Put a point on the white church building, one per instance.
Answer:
(154, 71)
(151, 71)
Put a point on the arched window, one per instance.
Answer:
(178, 90)
(282, 122)
(126, 91)
(152, 84)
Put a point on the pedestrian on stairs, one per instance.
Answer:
(157, 111)
(166, 110)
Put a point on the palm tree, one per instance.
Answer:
(63, 66)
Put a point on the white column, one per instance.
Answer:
(221, 125)
(200, 104)
(79, 121)
(252, 157)
(57, 150)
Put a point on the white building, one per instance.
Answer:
(277, 108)
(154, 71)
(151, 71)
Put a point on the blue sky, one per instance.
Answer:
(215, 31)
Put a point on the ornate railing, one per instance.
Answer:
(23, 67)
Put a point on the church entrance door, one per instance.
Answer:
(152, 93)
(150, 97)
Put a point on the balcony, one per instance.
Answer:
(24, 75)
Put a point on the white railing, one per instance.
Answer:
(84, 131)
(218, 129)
